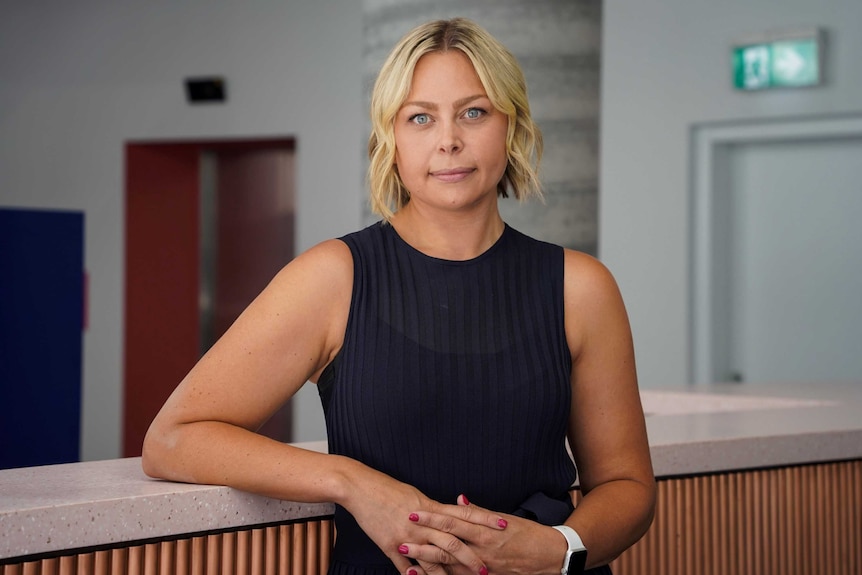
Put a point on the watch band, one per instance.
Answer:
(576, 555)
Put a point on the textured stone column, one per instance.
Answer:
(558, 44)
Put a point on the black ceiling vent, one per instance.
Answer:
(207, 90)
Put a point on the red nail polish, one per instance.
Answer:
(502, 523)
(403, 549)
(414, 517)
(466, 501)
(412, 572)
(483, 570)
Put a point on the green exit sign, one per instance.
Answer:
(781, 60)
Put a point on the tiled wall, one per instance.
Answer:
(558, 44)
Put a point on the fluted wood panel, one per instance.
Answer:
(785, 521)
(296, 549)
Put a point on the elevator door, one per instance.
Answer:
(207, 225)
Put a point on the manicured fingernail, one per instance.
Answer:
(412, 572)
(414, 517)
(466, 501)
(483, 570)
(403, 549)
(502, 523)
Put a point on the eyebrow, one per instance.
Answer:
(433, 106)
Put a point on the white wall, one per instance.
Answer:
(666, 67)
(79, 79)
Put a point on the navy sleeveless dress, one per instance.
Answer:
(454, 378)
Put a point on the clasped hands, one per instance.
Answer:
(466, 539)
(422, 536)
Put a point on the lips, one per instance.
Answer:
(453, 174)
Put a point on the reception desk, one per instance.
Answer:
(752, 479)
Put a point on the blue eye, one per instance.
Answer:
(420, 119)
(474, 113)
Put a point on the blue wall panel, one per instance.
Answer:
(41, 321)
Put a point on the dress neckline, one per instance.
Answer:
(487, 253)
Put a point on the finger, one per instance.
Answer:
(464, 521)
(444, 523)
(438, 569)
(499, 522)
(444, 550)
(402, 562)
(417, 570)
(435, 568)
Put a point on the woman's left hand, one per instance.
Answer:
(506, 543)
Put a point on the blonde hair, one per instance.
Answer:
(503, 80)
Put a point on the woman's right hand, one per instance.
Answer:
(382, 507)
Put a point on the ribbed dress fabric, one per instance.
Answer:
(454, 377)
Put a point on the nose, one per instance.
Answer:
(450, 138)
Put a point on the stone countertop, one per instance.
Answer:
(78, 505)
(724, 427)
(692, 430)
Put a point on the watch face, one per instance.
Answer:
(576, 562)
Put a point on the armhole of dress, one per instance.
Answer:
(562, 303)
(327, 377)
(330, 372)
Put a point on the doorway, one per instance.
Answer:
(776, 265)
(208, 224)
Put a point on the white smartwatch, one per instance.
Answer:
(576, 556)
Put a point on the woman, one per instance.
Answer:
(453, 355)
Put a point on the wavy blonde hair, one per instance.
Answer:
(503, 80)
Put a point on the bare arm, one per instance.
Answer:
(206, 431)
(607, 431)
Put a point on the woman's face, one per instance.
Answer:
(450, 141)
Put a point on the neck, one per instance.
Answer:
(455, 236)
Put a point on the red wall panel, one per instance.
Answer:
(161, 343)
(162, 313)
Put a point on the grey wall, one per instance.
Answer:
(78, 80)
(665, 67)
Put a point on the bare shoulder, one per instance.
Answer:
(588, 281)
(593, 303)
(303, 311)
(310, 281)
(328, 265)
